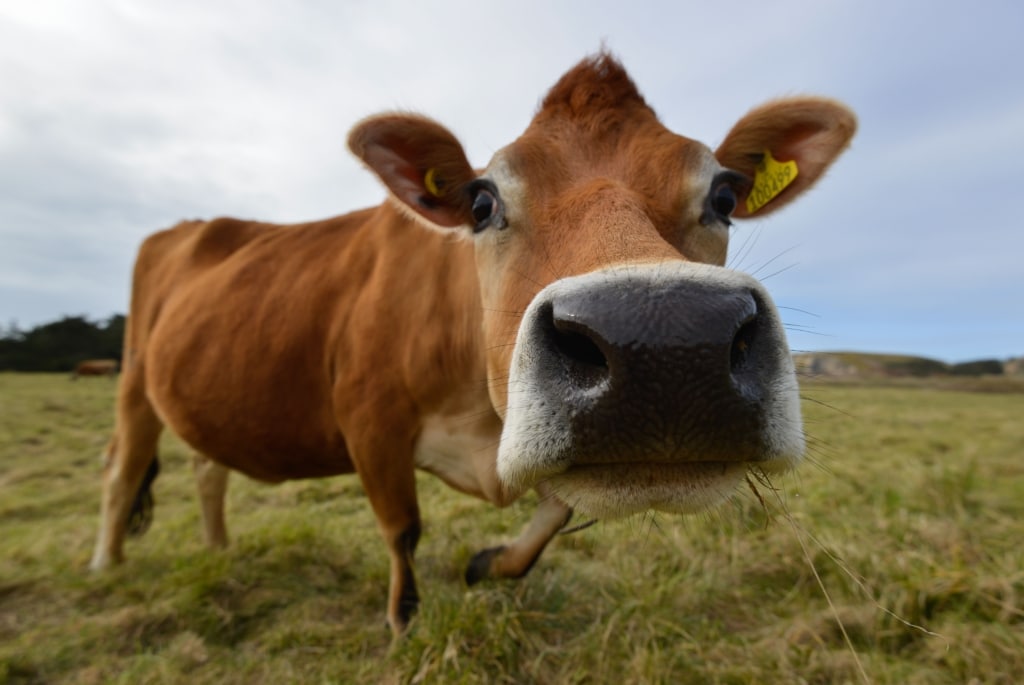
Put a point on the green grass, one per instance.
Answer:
(911, 512)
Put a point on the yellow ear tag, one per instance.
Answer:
(770, 179)
(432, 183)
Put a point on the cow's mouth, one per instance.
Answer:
(621, 489)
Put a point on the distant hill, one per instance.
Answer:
(866, 365)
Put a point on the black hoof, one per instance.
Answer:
(480, 565)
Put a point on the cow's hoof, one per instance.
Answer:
(480, 565)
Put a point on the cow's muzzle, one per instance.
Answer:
(637, 377)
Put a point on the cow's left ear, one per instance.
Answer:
(784, 147)
(420, 162)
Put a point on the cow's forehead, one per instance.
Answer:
(594, 124)
(595, 115)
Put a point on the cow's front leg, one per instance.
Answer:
(515, 559)
(392, 494)
(393, 498)
(384, 461)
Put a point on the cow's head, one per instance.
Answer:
(631, 369)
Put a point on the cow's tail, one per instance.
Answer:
(141, 515)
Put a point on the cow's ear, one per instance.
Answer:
(784, 147)
(421, 163)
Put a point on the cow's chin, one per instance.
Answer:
(615, 490)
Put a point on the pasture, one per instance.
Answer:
(894, 556)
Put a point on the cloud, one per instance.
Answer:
(118, 118)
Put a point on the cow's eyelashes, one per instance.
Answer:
(486, 206)
(723, 198)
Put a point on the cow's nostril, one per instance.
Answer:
(579, 348)
(576, 345)
(743, 344)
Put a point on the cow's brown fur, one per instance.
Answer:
(346, 345)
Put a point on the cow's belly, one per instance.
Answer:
(271, 420)
(281, 460)
(262, 446)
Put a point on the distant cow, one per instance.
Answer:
(560, 322)
(95, 367)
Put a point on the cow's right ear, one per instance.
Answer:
(421, 163)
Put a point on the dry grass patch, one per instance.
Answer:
(910, 514)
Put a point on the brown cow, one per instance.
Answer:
(95, 367)
(562, 321)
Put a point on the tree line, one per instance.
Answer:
(60, 345)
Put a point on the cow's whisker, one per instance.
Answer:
(802, 535)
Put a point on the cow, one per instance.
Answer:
(95, 367)
(560, 322)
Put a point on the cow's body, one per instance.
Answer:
(583, 340)
(289, 418)
(95, 367)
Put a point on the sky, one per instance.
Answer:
(120, 117)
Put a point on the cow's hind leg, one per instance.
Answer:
(140, 516)
(212, 483)
(130, 456)
(517, 558)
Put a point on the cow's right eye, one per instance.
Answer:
(484, 207)
(487, 208)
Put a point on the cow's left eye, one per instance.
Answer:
(722, 200)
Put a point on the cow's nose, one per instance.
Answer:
(601, 335)
(660, 356)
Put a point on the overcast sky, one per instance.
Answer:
(118, 118)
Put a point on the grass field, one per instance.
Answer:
(910, 515)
